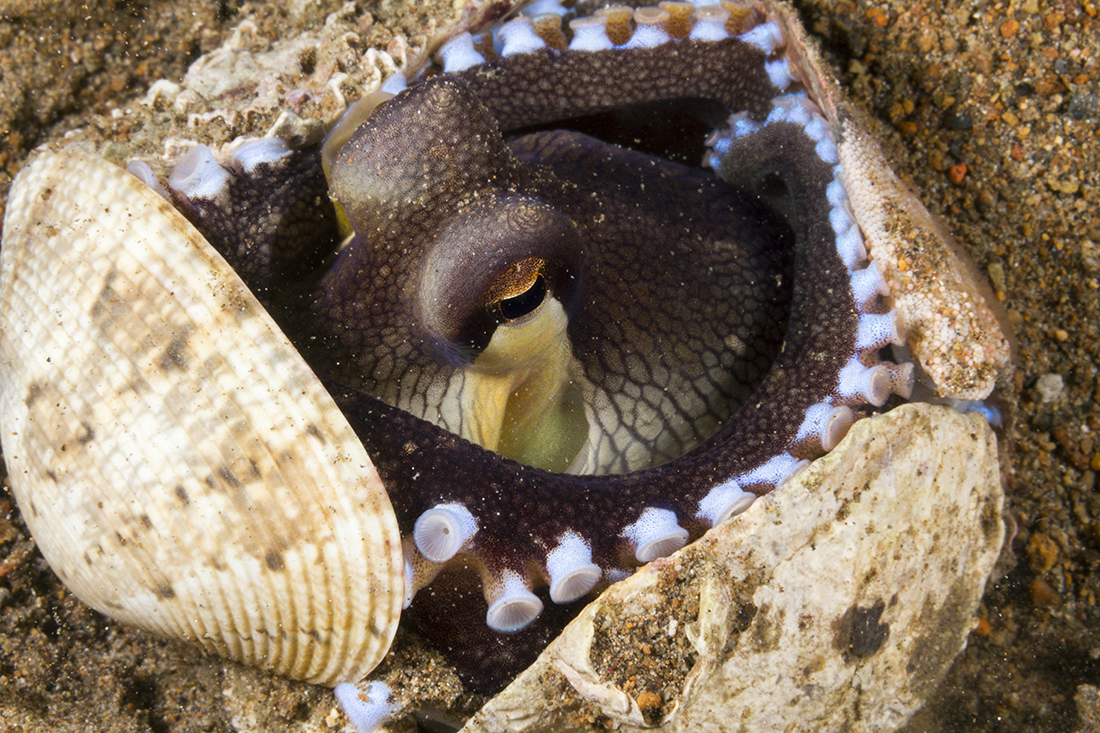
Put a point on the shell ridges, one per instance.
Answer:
(139, 429)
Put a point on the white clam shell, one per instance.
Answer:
(180, 466)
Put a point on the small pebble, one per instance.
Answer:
(648, 700)
(996, 273)
(957, 173)
(1050, 387)
(1042, 552)
(1084, 106)
(1087, 701)
(959, 121)
(1042, 594)
(1070, 445)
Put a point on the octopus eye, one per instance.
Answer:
(519, 291)
(497, 264)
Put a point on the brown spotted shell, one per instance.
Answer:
(179, 465)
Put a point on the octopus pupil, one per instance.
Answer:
(526, 302)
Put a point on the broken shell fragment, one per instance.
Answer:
(760, 626)
(944, 307)
(180, 466)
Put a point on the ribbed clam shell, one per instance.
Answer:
(180, 466)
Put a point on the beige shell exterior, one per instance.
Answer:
(837, 603)
(180, 466)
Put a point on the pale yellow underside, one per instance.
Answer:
(521, 396)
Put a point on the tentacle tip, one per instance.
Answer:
(662, 546)
(725, 502)
(570, 569)
(989, 411)
(655, 534)
(443, 530)
(140, 170)
(879, 383)
(199, 175)
(575, 584)
(513, 610)
(836, 427)
(370, 710)
(255, 153)
(902, 379)
(870, 384)
(410, 580)
(459, 54)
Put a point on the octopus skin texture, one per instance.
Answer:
(703, 330)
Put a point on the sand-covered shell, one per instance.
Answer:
(179, 465)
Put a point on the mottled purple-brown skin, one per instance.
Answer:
(786, 293)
